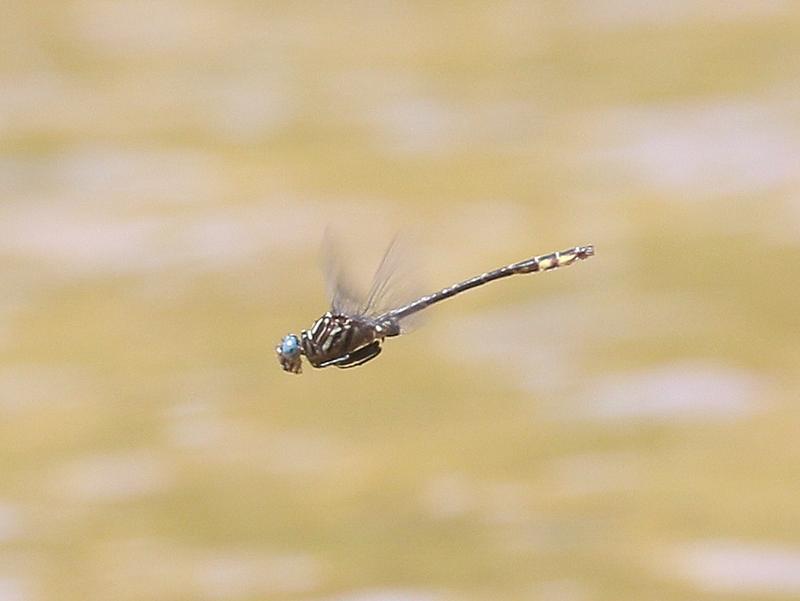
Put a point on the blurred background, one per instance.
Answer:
(623, 429)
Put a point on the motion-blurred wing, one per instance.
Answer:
(343, 296)
(395, 282)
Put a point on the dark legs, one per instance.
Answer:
(357, 357)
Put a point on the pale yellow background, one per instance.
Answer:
(625, 429)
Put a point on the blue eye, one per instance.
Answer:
(290, 345)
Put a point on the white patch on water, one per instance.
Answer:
(113, 175)
(416, 126)
(14, 589)
(196, 425)
(88, 243)
(247, 108)
(29, 88)
(449, 496)
(20, 575)
(134, 28)
(159, 569)
(206, 388)
(111, 477)
(686, 391)
(505, 503)
(389, 595)
(540, 343)
(11, 523)
(628, 13)
(420, 125)
(27, 97)
(201, 426)
(497, 503)
(99, 241)
(237, 574)
(37, 386)
(561, 590)
(728, 567)
(295, 451)
(701, 150)
(545, 345)
(593, 473)
(196, 419)
(403, 118)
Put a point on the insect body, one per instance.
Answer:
(351, 333)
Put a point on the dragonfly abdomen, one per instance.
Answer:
(541, 263)
(553, 260)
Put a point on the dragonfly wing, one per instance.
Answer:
(344, 298)
(394, 283)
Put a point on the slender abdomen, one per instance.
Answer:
(534, 264)
(552, 260)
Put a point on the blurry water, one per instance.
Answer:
(623, 429)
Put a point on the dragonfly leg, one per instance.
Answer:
(336, 361)
(360, 356)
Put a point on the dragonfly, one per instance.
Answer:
(352, 331)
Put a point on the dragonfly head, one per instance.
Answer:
(289, 352)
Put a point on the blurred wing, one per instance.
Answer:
(394, 283)
(343, 296)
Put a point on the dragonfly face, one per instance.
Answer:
(289, 354)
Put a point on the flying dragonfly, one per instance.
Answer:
(351, 332)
